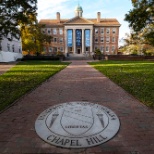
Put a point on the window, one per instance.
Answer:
(54, 31)
(61, 49)
(96, 30)
(102, 49)
(96, 39)
(102, 39)
(96, 47)
(19, 49)
(107, 49)
(114, 30)
(102, 30)
(49, 31)
(55, 49)
(0, 46)
(107, 30)
(8, 47)
(12, 48)
(113, 39)
(54, 39)
(60, 31)
(113, 48)
(50, 49)
(107, 39)
(61, 40)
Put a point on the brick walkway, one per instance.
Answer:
(78, 82)
(6, 66)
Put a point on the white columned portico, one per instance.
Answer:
(83, 45)
(75, 48)
(66, 48)
(91, 40)
(74, 42)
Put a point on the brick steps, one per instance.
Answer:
(78, 57)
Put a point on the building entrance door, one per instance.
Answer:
(78, 51)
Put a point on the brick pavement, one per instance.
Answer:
(6, 66)
(78, 82)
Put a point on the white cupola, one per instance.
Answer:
(78, 11)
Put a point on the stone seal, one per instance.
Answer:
(77, 124)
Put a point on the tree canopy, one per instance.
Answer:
(141, 15)
(13, 13)
(33, 39)
(141, 19)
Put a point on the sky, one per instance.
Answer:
(109, 9)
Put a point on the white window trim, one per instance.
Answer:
(107, 31)
(95, 39)
(107, 39)
(96, 30)
(54, 31)
(106, 48)
(60, 31)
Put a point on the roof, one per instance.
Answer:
(106, 22)
(54, 22)
(80, 20)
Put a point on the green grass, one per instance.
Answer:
(24, 77)
(136, 77)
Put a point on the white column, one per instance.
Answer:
(66, 48)
(91, 40)
(83, 45)
(74, 42)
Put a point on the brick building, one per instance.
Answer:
(80, 35)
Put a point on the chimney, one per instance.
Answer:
(98, 17)
(58, 17)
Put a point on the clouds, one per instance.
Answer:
(109, 9)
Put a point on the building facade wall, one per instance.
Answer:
(106, 39)
(103, 38)
(57, 42)
(10, 50)
(104, 34)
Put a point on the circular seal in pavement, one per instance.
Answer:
(77, 125)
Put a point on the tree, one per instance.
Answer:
(141, 19)
(141, 15)
(13, 13)
(33, 39)
(148, 34)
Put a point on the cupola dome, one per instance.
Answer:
(78, 11)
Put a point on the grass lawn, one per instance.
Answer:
(24, 77)
(136, 77)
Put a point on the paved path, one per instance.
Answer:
(78, 82)
(6, 66)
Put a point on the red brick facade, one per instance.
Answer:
(104, 34)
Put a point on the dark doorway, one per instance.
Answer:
(78, 51)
